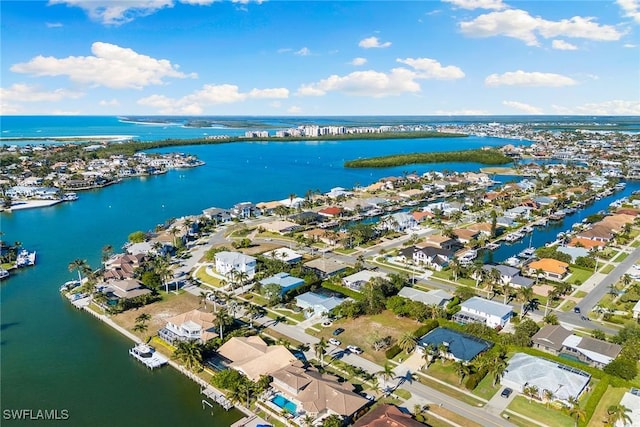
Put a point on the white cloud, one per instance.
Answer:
(6, 109)
(303, 52)
(519, 24)
(521, 106)
(630, 45)
(523, 78)
(563, 45)
(372, 42)
(631, 9)
(195, 102)
(365, 83)
(477, 4)
(54, 24)
(465, 112)
(27, 93)
(431, 69)
(358, 61)
(109, 103)
(294, 109)
(616, 107)
(111, 66)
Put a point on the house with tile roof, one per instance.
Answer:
(193, 325)
(254, 358)
(228, 262)
(387, 415)
(551, 269)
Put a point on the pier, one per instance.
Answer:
(148, 356)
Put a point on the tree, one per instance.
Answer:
(137, 237)
(526, 295)
(190, 354)
(407, 342)
(531, 392)
(332, 420)
(462, 370)
(618, 413)
(576, 412)
(107, 251)
(321, 348)
(548, 396)
(140, 327)
(386, 373)
(81, 266)
(222, 321)
(550, 319)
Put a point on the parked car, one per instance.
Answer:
(334, 341)
(576, 310)
(506, 392)
(354, 349)
(327, 323)
(338, 331)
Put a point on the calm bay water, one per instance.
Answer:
(55, 357)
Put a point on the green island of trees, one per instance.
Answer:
(486, 157)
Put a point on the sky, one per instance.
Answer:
(287, 58)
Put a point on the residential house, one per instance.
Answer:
(440, 241)
(573, 252)
(316, 394)
(432, 257)
(122, 266)
(457, 345)
(480, 310)
(519, 213)
(399, 221)
(599, 232)
(193, 325)
(315, 304)
(420, 216)
(284, 254)
(465, 235)
(435, 297)
(504, 221)
(243, 210)
(284, 280)
(126, 288)
(268, 208)
(631, 401)
(325, 267)
(228, 263)
(386, 415)
(636, 310)
(481, 227)
(550, 268)
(254, 358)
(586, 243)
(331, 212)
(219, 216)
(509, 275)
(557, 340)
(357, 280)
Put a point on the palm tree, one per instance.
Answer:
(81, 266)
(443, 350)
(462, 370)
(143, 318)
(531, 392)
(429, 354)
(190, 354)
(321, 348)
(576, 412)
(407, 342)
(525, 294)
(222, 320)
(107, 251)
(386, 373)
(618, 413)
(548, 396)
(140, 327)
(497, 366)
(161, 268)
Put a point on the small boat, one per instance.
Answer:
(71, 284)
(3, 273)
(557, 216)
(492, 246)
(25, 258)
(527, 229)
(527, 253)
(512, 261)
(70, 197)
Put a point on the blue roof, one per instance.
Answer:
(461, 346)
(284, 280)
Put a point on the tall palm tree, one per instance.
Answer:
(386, 373)
(531, 392)
(548, 396)
(140, 327)
(462, 370)
(577, 413)
(497, 367)
(107, 251)
(81, 266)
(321, 348)
(222, 321)
(143, 318)
(407, 342)
(429, 354)
(190, 354)
(618, 413)
(525, 294)
(161, 268)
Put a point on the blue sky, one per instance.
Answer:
(204, 57)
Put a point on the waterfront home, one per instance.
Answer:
(519, 213)
(122, 266)
(555, 339)
(436, 297)
(562, 381)
(440, 241)
(480, 310)
(338, 192)
(420, 216)
(284, 280)
(457, 346)
(549, 268)
(465, 235)
(254, 358)
(126, 288)
(314, 304)
(357, 280)
(598, 232)
(430, 256)
(194, 325)
(399, 222)
(217, 215)
(228, 263)
(509, 275)
(280, 227)
(586, 243)
(481, 227)
(325, 267)
(284, 254)
(316, 394)
(331, 212)
(631, 401)
(506, 222)
(386, 415)
(573, 252)
(243, 210)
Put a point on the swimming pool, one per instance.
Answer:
(284, 403)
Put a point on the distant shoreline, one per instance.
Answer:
(487, 157)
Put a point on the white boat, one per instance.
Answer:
(492, 246)
(148, 356)
(71, 284)
(3, 273)
(70, 197)
(527, 253)
(527, 229)
(25, 258)
(512, 261)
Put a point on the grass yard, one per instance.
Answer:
(540, 412)
(201, 274)
(449, 415)
(364, 330)
(485, 388)
(568, 305)
(451, 390)
(611, 397)
(621, 257)
(607, 269)
(579, 275)
(635, 244)
(580, 294)
(445, 372)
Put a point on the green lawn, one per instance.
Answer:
(580, 294)
(485, 388)
(202, 275)
(635, 244)
(607, 269)
(611, 397)
(540, 412)
(568, 306)
(579, 275)
(621, 257)
(450, 391)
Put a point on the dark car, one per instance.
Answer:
(506, 392)
(576, 309)
(338, 331)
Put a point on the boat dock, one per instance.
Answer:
(148, 356)
(217, 397)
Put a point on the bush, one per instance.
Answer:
(474, 379)
(623, 368)
(428, 326)
(392, 352)
(595, 397)
(344, 291)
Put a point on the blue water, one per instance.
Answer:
(284, 403)
(55, 357)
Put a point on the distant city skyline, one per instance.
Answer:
(241, 57)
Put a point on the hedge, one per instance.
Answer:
(428, 326)
(594, 399)
(344, 291)
(474, 379)
(392, 351)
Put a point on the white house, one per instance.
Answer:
(357, 280)
(435, 297)
(284, 254)
(480, 310)
(315, 304)
(226, 262)
(192, 325)
(399, 221)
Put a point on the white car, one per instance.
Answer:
(334, 341)
(354, 349)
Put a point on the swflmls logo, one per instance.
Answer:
(35, 414)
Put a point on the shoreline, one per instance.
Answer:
(75, 138)
(31, 204)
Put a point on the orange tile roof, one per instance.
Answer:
(550, 265)
(587, 243)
